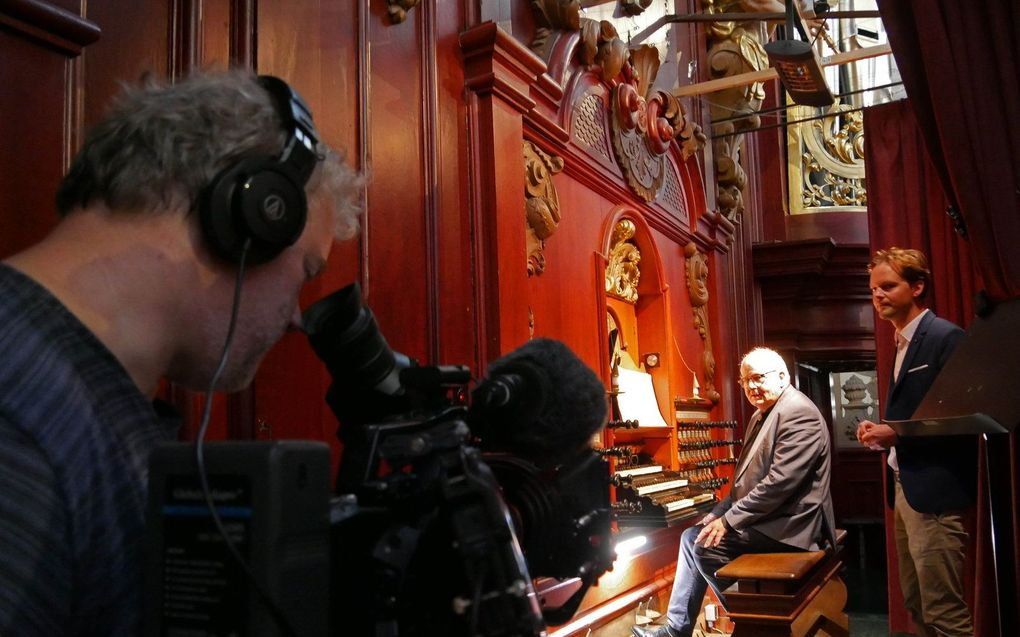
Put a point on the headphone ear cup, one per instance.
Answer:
(253, 200)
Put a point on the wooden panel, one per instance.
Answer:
(815, 299)
(135, 42)
(32, 128)
(313, 46)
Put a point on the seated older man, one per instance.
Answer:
(779, 501)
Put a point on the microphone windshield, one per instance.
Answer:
(540, 401)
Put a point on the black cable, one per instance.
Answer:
(274, 609)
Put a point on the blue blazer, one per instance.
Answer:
(938, 473)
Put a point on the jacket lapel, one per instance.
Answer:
(915, 346)
(763, 430)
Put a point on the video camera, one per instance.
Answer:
(450, 508)
(446, 509)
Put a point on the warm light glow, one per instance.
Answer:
(626, 548)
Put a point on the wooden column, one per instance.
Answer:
(499, 72)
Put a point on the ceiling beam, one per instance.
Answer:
(742, 79)
(643, 34)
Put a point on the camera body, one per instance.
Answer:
(444, 510)
(448, 508)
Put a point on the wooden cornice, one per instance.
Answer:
(496, 63)
(808, 256)
(62, 30)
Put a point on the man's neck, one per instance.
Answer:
(901, 322)
(122, 278)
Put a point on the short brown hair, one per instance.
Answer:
(910, 264)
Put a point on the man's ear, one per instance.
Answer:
(917, 289)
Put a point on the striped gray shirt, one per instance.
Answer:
(75, 436)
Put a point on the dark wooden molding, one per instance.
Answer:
(58, 28)
(185, 37)
(815, 298)
(494, 62)
(243, 41)
(431, 167)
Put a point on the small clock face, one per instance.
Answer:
(651, 360)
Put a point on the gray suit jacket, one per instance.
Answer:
(781, 483)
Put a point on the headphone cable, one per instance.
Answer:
(274, 609)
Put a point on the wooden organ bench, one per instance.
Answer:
(787, 594)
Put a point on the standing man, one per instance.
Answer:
(780, 500)
(182, 198)
(935, 477)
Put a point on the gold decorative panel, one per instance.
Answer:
(623, 273)
(542, 207)
(826, 161)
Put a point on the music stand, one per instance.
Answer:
(975, 393)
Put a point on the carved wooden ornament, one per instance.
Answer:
(542, 207)
(398, 9)
(696, 267)
(735, 48)
(623, 273)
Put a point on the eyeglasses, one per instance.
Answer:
(754, 379)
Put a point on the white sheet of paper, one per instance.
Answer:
(637, 398)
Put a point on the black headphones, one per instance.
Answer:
(263, 198)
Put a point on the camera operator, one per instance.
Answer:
(136, 284)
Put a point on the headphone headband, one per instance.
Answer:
(300, 152)
(262, 199)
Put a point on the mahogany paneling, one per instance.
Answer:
(455, 310)
(857, 486)
(815, 298)
(33, 130)
(844, 227)
(499, 71)
(55, 25)
(315, 47)
(136, 41)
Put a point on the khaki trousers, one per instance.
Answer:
(930, 551)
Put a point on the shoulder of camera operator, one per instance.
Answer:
(129, 258)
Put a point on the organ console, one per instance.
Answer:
(669, 495)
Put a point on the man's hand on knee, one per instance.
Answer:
(712, 534)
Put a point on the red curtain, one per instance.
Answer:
(960, 64)
(907, 208)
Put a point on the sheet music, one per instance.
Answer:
(637, 398)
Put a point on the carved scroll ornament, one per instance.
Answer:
(542, 209)
(696, 267)
(623, 273)
(644, 121)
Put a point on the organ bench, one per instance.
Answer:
(787, 594)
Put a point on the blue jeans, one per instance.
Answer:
(696, 567)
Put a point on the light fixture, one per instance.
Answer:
(798, 67)
(652, 360)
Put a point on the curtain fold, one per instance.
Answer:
(960, 64)
(906, 208)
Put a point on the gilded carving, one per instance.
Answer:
(696, 267)
(623, 273)
(542, 207)
(734, 48)
(398, 9)
(827, 161)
